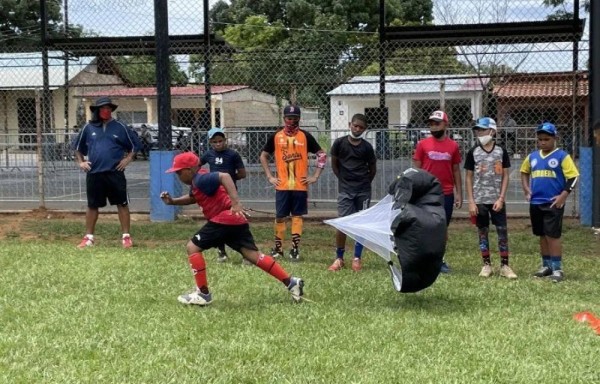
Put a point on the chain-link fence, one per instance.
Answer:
(329, 65)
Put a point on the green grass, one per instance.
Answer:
(108, 315)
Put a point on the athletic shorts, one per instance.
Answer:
(293, 203)
(485, 211)
(349, 203)
(212, 235)
(546, 221)
(448, 207)
(106, 185)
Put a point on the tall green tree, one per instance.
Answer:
(20, 25)
(141, 70)
(300, 49)
(561, 12)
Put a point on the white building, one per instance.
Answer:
(409, 99)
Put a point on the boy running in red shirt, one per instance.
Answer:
(216, 194)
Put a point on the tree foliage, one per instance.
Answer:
(20, 24)
(300, 49)
(141, 70)
(561, 12)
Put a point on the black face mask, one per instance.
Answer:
(437, 134)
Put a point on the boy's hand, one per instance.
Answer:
(473, 209)
(559, 201)
(274, 180)
(458, 201)
(237, 209)
(498, 205)
(166, 198)
(309, 180)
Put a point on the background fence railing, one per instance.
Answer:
(30, 173)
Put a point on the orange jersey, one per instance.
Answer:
(291, 158)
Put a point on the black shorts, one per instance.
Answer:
(291, 202)
(485, 211)
(546, 221)
(212, 235)
(106, 185)
(349, 203)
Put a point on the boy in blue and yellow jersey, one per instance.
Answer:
(547, 177)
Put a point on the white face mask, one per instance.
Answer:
(359, 136)
(485, 139)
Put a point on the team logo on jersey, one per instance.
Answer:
(533, 163)
(553, 163)
(218, 160)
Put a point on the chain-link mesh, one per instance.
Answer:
(327, 63)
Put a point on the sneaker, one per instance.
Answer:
(445, 268)
(506, 271)
(356, 264)
(486, 271)
(86, 242)
(337, 265)
(127, 243)
(543, 272)
(296, 288)
(221, 257)
(196, 298)
(557, 276)
(294, 254)
(276, 252)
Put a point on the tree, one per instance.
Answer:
(141, 70)
(562, 13)
(20, 23)
(299, 49)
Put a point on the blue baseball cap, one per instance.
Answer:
(485, 123)
(215, 131)
(548, 128)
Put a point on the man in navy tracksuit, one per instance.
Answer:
(109, 146)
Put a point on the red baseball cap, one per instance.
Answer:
(439, 116)
(184, 160)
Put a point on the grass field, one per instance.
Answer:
(108, 315)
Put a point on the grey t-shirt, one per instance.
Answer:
(487, 170)
(354, 162)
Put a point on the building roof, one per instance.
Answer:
(537, 85)
(24, 70)
(190, 91)
(369, 85)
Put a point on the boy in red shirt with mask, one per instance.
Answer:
(440, 156)
(216, 194)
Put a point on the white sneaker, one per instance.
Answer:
(486, 271)
(86, 242)
(296, 288)
(506, 271)
(196, 298)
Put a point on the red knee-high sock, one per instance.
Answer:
(273, 268)
(198, 266)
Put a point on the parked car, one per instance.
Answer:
(180, 136)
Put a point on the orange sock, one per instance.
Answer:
(273, 268)
(198, 266)
(297, 224)
(280, 229)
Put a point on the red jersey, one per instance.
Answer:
(437, 158)
(212, 197)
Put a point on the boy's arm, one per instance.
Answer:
(372, 170)
(470, 196)
(240, 173)
(457, 185)
(335, 166)
(525, 185)
(227, 183)
(239, 167)
(181, 200)
(503, 188)
(264, 162)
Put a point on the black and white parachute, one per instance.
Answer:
(409, 222)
